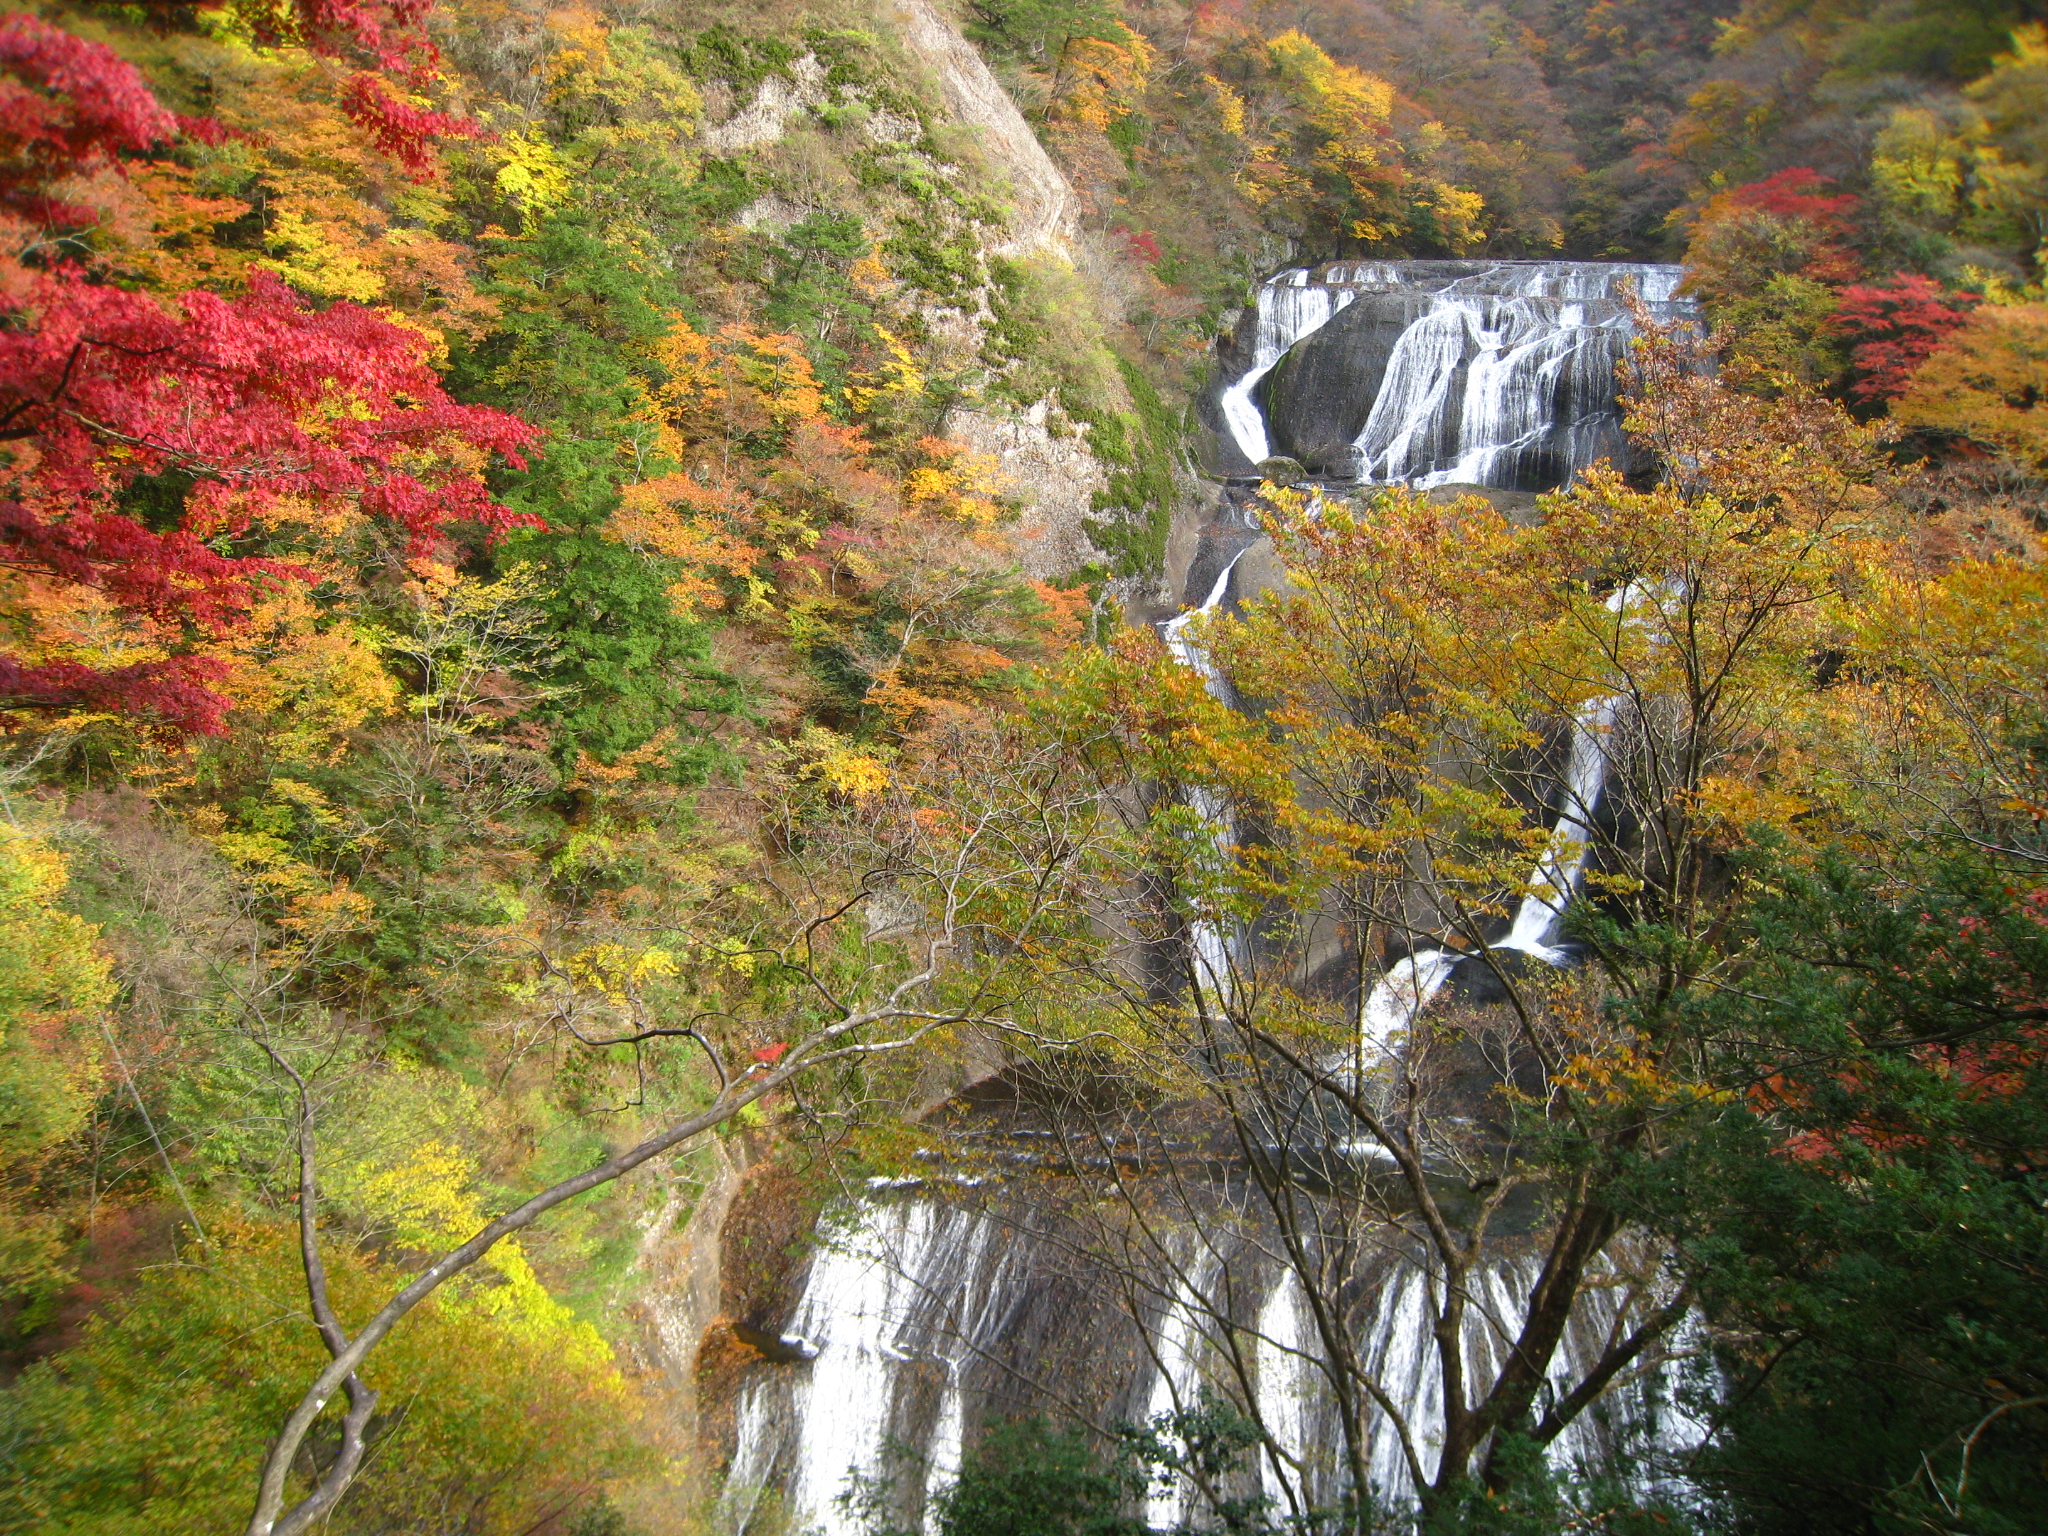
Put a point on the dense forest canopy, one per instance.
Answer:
(572, 640)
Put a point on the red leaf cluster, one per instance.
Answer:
(403, 131)
(174, 694)
(259, 402)
(1798, 193)
(393, 32)
(1894, 327)
(1141, 244)
(67, 108)
(259, 397)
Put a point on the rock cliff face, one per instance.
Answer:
(1043, 220)
(1320, 394)
(1046, 455)
(1056, 477)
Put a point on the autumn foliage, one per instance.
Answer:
(252, 408)
(1893, 327)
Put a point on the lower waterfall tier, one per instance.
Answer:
(926, 1319)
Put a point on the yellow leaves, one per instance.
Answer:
(840, 765)
(314, 907)
(531, 175)
(617, 88)
(1457, 212)
(957, 483)
(617, 972)
(870, 275)
(736, 957)
(900, 375)
(427, 1199)
(1917, 165)
(53, 984)
(1990, 615)
(1989, 383)
(627, 766)
(157, 228)
(423, 1201)
(1341, 97)
(1625, 1075)
(1103, 79)
(312, 257)
(724, 386)
(314, 681)
(1229, 107)
(1952, 668)
(650, 518)
(1732, 809)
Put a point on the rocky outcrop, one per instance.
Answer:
(1318, 397)
(683, 1266)
(1055, 477)
(1042, 202)
(779, 100)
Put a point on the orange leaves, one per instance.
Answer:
(956, 482)
(738, 389)
(1100, 80)
(1625, 1075)
(678, 518)
(1343, 139)
(1988, 383)
(886, 557)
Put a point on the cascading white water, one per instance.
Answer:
(909, 1285)
(1176, 1347)
(1288, 1387)
(1288, 308)
(916, 1289)
(1400, 995)
(1210, 944)
(1472, 387)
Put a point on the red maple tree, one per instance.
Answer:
(251, 401)
(1801, 193)
(1894, 327)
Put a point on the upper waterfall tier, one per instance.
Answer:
(1438, 372)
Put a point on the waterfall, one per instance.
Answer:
(1398, 998)
(920, 1319)
(1498, 374)
(903, 1294)
(914, 1305)
(1400, 995)
(1288, 1385)
(1288, 309)
(1177, 1382)
(1212, 946)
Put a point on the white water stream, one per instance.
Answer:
(909, 1286)
(1289, 308)
(1397, 1000)
(1213, 946)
